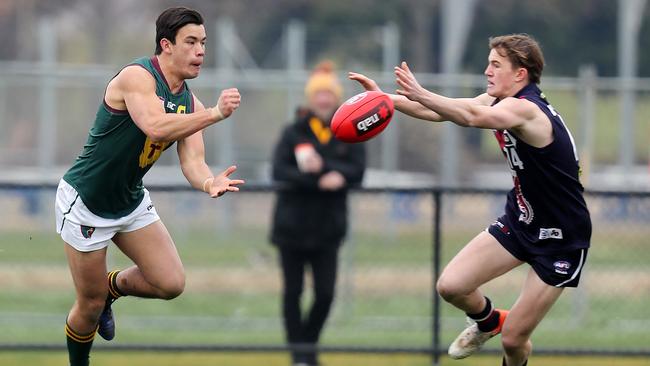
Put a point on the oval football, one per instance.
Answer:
(362, 117)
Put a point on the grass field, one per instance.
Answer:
(384, 293)
(254, 359)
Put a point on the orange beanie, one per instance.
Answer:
(323, 78)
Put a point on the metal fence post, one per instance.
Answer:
(295, 40)
(224, 133)
(630, 17)
(435, 318)
(587, 116)
(390, 138)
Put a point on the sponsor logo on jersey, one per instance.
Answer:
(562, 267)
(373, 119)
(87, 231)
(151, 152)
(150, 207)
(526, 213)
(550, 233)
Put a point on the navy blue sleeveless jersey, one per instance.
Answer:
(546, 210)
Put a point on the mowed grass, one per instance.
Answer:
(385, 284)
(383, 314)
(274, 359)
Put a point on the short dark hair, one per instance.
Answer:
(523, 51)
(173, 19)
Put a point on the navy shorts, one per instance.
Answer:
(556, 269)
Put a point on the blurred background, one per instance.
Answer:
(426, 181)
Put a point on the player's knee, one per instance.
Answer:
(448, 289)
(513, 341)
(173, 287)
(91, 307)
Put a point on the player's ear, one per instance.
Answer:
(165, 45)
(521, 74)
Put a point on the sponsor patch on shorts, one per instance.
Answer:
(87, 231)
(502, 227)
(562, 267)
(550, 233)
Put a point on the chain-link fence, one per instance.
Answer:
(385, 299)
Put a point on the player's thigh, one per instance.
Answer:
(152, 249)
(534, 302)
(88, 270)
(480, 261)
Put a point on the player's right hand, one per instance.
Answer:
(222, 183)
(229, 100)
(366, 82)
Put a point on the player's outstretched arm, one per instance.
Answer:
(475, 112)
(191, 153)
(134, 89)
(402, 104)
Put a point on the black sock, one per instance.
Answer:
(113, 291)
(79, 346)
(488, 319)
(504, 363)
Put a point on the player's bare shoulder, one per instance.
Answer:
(132, 78)
(535, 128)
(484, 99)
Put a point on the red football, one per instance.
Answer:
(362, 117)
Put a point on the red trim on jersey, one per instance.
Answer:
(156, 65)
(113, 110)
(499, 135)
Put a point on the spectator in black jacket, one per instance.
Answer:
(314, 172)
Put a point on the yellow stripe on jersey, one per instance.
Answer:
(151, 152)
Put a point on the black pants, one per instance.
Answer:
(323, 263)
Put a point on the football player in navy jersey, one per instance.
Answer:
(546, 222)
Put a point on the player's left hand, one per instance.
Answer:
(229, 101)
(410, 87)
(222, 183)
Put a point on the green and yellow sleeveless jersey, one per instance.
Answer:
(108, 173)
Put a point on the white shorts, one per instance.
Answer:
(84, 230)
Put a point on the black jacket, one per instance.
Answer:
(305, 216)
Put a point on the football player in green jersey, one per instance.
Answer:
(147, 107)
